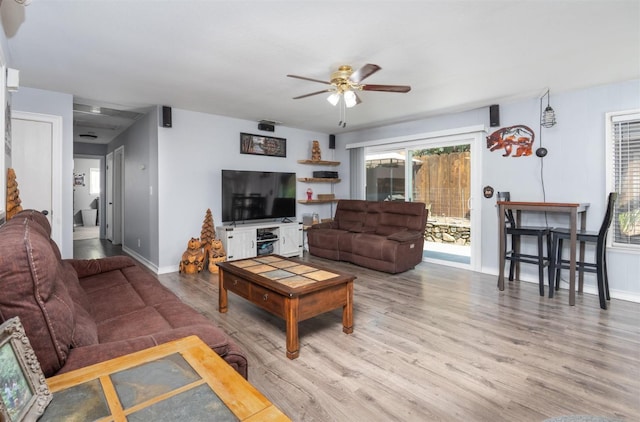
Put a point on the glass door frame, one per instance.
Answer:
(475, 140)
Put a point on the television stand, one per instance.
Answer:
(251, 240)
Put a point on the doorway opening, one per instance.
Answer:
(442, 180)
(87, 200)
(442, 172)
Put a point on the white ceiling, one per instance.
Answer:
(231, 58)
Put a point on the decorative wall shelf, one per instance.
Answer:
(320, 162)
(316, 201)
(318, 180)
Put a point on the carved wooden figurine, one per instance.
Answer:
(216, 254)
(193, 258)
(13, 194)
(316, 154)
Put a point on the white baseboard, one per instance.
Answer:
(169, 269)
(144, 261)
(615, 294)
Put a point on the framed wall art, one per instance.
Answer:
(78, 179)
(24, 394)
(262, 145)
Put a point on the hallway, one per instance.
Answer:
(95, 248)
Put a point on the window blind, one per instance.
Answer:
(626, 177)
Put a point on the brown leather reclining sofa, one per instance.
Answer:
(384, 236)
(80, 312)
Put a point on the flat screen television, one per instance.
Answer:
(257, 195)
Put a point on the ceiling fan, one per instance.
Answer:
(344, 84)
(346, 80)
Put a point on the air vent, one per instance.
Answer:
(94, 110)
(88, 135)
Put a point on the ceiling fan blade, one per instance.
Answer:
(387, 88)
(309, 79)
(364, 72)
(358, 100)
(313, 93)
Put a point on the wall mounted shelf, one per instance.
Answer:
(320, 162)
(318, 180)
(316, 201)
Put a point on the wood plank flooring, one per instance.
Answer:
(438, 344)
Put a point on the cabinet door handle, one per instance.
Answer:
(265, 297)
(235, 282)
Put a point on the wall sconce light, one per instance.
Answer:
(547, 120)
(548, 116)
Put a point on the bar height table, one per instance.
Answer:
(573, 209)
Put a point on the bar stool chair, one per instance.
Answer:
(599, 266)
(515, 256)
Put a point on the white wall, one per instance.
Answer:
(191, 155)
(140, 183)
(574, 170)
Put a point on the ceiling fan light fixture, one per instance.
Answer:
(350, 99)
(334, 98)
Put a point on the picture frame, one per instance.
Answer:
(262, 145)
(24, 394)
(78, 179)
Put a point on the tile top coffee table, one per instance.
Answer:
(180, 380)
(290, 289)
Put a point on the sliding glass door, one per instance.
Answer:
(439, 173)
(441, 178)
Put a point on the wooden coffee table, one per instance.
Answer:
(290, 289)
(180, 380)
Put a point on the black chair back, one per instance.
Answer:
(608, 216)
(506, 196)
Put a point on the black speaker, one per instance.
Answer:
(332, 141)
(267, 127)
(494, 115)
(166, 116)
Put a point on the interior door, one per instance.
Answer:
(36, 159)
(109, 197)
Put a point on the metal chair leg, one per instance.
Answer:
(540, 267)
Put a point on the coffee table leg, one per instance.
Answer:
(222, 293)
(347, 310)
(291, 319)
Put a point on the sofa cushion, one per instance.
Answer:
(139, 322)
(399, 216)
(122, 297)
(33, 288)
(350, 214)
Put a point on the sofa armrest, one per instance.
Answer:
(88, 267)
(405, 236)
(325, 225)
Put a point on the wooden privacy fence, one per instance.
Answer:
(443, 183)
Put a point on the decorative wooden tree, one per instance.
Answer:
(13, 194)
(208, 233)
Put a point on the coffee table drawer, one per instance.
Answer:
(268, 300)
(237, 285)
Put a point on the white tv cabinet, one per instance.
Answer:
(251, 240)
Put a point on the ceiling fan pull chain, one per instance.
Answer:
(343, 113)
